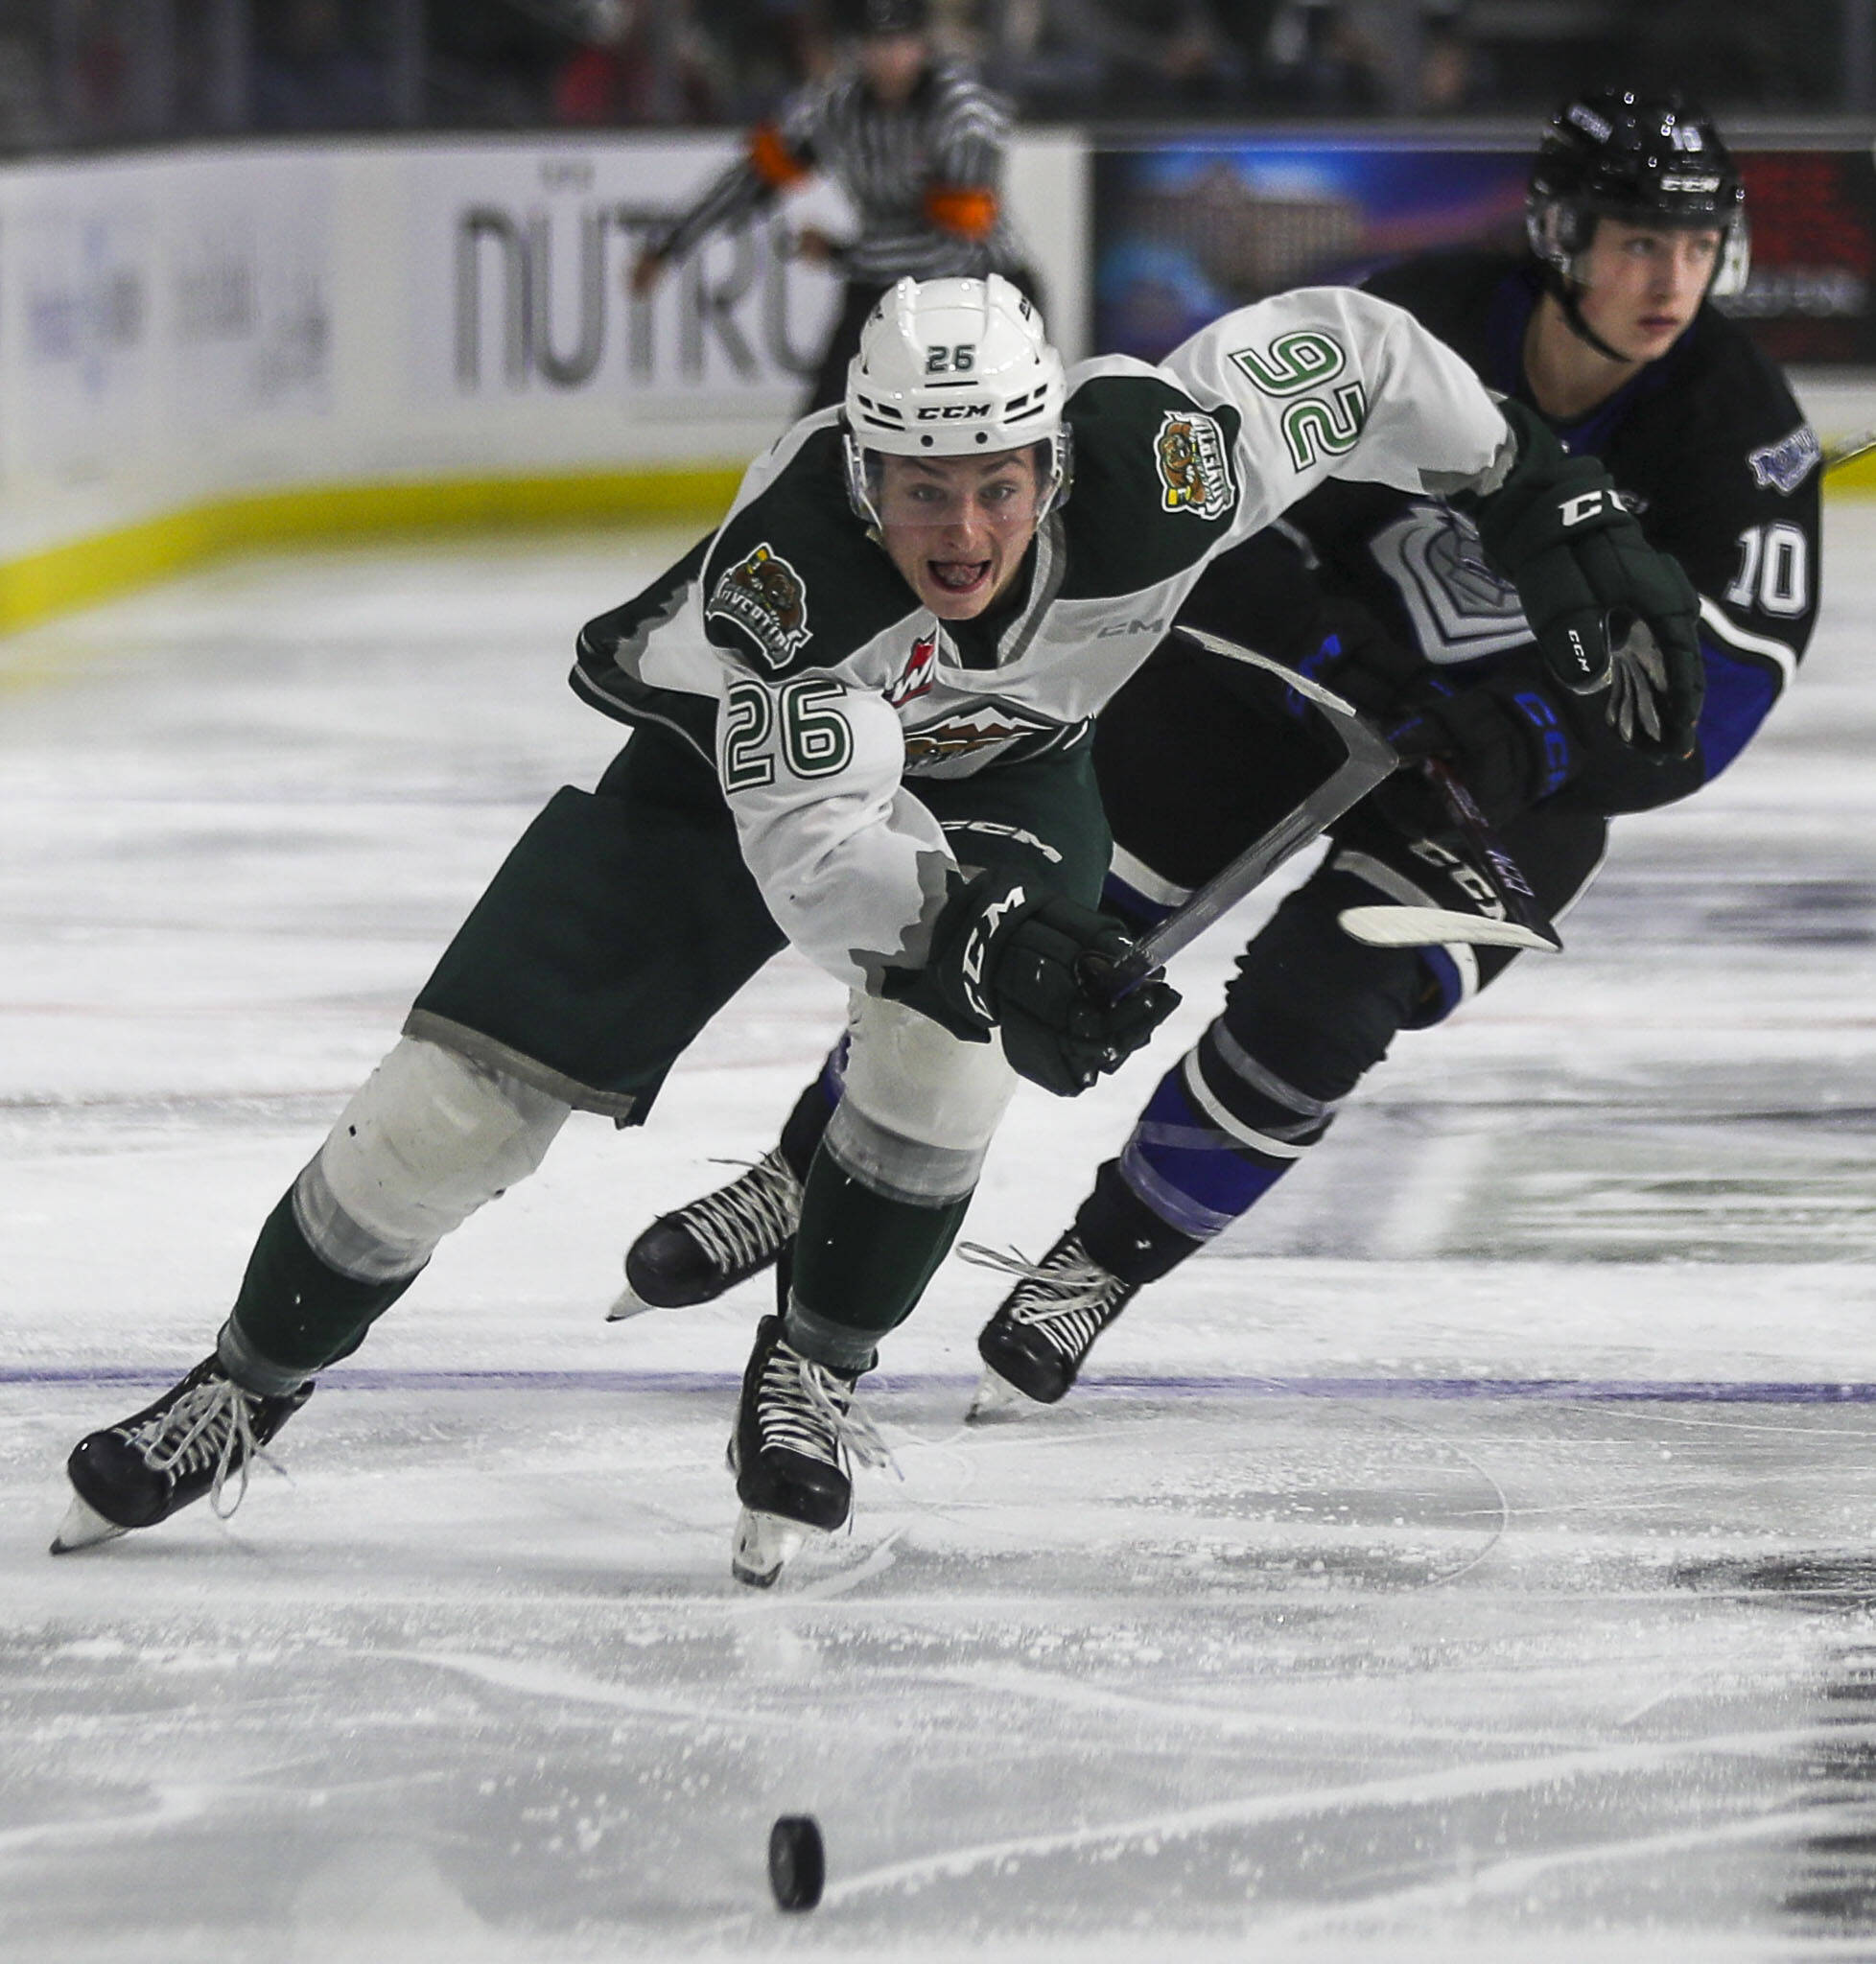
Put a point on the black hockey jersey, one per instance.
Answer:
(1709, 450)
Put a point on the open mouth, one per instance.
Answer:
(959, 575)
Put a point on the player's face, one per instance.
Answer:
(1643, 285)
(892, 64)
(958, 527)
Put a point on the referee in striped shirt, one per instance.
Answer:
(916, 141)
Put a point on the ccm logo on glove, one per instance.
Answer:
(970, 967)
(1591, 504)
(1031, 969)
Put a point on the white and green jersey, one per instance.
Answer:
(790, 644)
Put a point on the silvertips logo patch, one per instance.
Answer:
(1194, 464)
(964, 731)
(765, 596)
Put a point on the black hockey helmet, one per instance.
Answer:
(867, 17)
(1645, 159)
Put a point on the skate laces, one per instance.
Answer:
(210, 1424)
(1060, 1284)
(804, 1407)
(745, 1222)
(1067, 1296)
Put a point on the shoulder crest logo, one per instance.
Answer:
(1194, 464)
(765, 596)
(1785, 465)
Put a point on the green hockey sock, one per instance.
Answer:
(861, 1262)
(297, 1313)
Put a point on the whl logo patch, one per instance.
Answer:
(1194, 464)
(765, 596)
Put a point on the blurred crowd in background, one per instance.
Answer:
(87, 71)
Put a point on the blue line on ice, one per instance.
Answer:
(1558, 1389)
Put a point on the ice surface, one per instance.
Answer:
(1468, 1559)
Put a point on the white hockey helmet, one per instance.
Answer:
(953, 367)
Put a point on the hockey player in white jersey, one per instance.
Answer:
(863, 710)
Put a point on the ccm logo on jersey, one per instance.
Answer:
(1194, 464)
(995, 828)
(765, 596)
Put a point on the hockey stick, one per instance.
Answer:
(1846, 448)
(1524, 924)
(1371, 757)
(1370, 760)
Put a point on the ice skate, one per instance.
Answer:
(796, 1437)
(697, 1252)
(1035, 1345)
(189, 1443)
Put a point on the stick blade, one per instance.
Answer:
(1392, 927)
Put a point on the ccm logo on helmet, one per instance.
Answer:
(952, 413)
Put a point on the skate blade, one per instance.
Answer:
(996, 1395)
(628, 1302)
(764, 1545)
(84, 1527)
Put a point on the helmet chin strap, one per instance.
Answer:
(1567, 293)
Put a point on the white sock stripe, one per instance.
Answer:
(1176, 1208)
(1225, 1122)
(1265, 1082)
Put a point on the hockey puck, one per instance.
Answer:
(797, 1862)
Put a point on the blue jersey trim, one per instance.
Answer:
(1738, 695)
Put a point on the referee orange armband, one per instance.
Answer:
(969, 212)
(775, 163)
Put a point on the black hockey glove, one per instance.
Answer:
(1608, 612)
(1509, 747)
(1354, 655)
(1029, 963)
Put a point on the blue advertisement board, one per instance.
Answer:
(1188, 231)
(1185, 231)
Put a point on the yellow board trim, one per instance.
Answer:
(41, 584)
(1857, 475)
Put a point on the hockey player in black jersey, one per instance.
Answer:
(914, 139)
(1636, 222)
